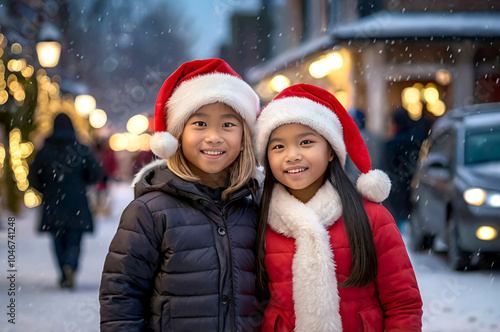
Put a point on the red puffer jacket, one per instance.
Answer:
(391, 303)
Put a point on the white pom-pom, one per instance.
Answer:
(374, 185)
(163, 144)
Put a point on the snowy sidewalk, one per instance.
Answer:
(40, 304)
(453, 301)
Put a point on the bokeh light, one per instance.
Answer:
(84, 104)
(98, 118)
(280, 82)
(137, 124)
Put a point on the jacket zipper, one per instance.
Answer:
(223, 215)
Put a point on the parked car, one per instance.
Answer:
(455, 191)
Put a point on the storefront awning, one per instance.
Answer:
(386, 25)
(288, 58)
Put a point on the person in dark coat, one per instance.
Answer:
(401, 158)
(183, 256)
(61, 171)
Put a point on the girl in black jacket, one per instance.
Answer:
(183, 256)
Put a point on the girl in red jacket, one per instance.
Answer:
(330, 256)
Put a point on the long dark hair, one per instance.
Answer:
(356, 223)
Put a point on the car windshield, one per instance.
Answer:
(482, 146)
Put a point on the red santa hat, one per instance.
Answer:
(193, 85)
(318, 109)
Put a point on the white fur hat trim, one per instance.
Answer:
(202, 90)
(305, 112)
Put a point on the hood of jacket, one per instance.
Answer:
(155, 176)
(63, 129)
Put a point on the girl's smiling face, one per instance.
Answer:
(298, 157)
(211, 141)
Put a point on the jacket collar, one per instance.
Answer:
(315, 293)
(155, 176)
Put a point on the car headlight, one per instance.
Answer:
(478, 196)
(486, 233)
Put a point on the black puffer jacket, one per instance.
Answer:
(179, 263)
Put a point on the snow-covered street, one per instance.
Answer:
(453, 301)
(40, 304)
(457, 301)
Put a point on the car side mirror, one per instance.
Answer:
(438, 166)
(436, 161)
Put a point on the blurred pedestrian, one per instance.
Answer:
(183, 257)
(100, 199)
(374, 144)
(61, 171)
(329, 254)
(401, 156)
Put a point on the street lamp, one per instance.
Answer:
(48, 47)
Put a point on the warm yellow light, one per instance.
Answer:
(28, 71)
(414, 110)
(118, 142)
(437, 108)
(19, 95)
(486, 233)
(11, 78)
(132, 142)
(319, 69)
(335, 60)
(14, 86)
(443, 77)
(144, 140)
(342, 97)
(411, 95)
(20, 175)
(16, 65)
(98, 118)
(475, 196)
(31, 199)
(431, 95)
(48, 53)
(15, 135)
(4, 96)
(16, 48)
(84, 104)
(137, 124)
(2, 154)
(23, 185)
(26, 149)
(279, 83)
(418, 86)
(53, 89)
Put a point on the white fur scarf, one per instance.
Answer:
(315, 293)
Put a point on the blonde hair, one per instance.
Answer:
(241, 170)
